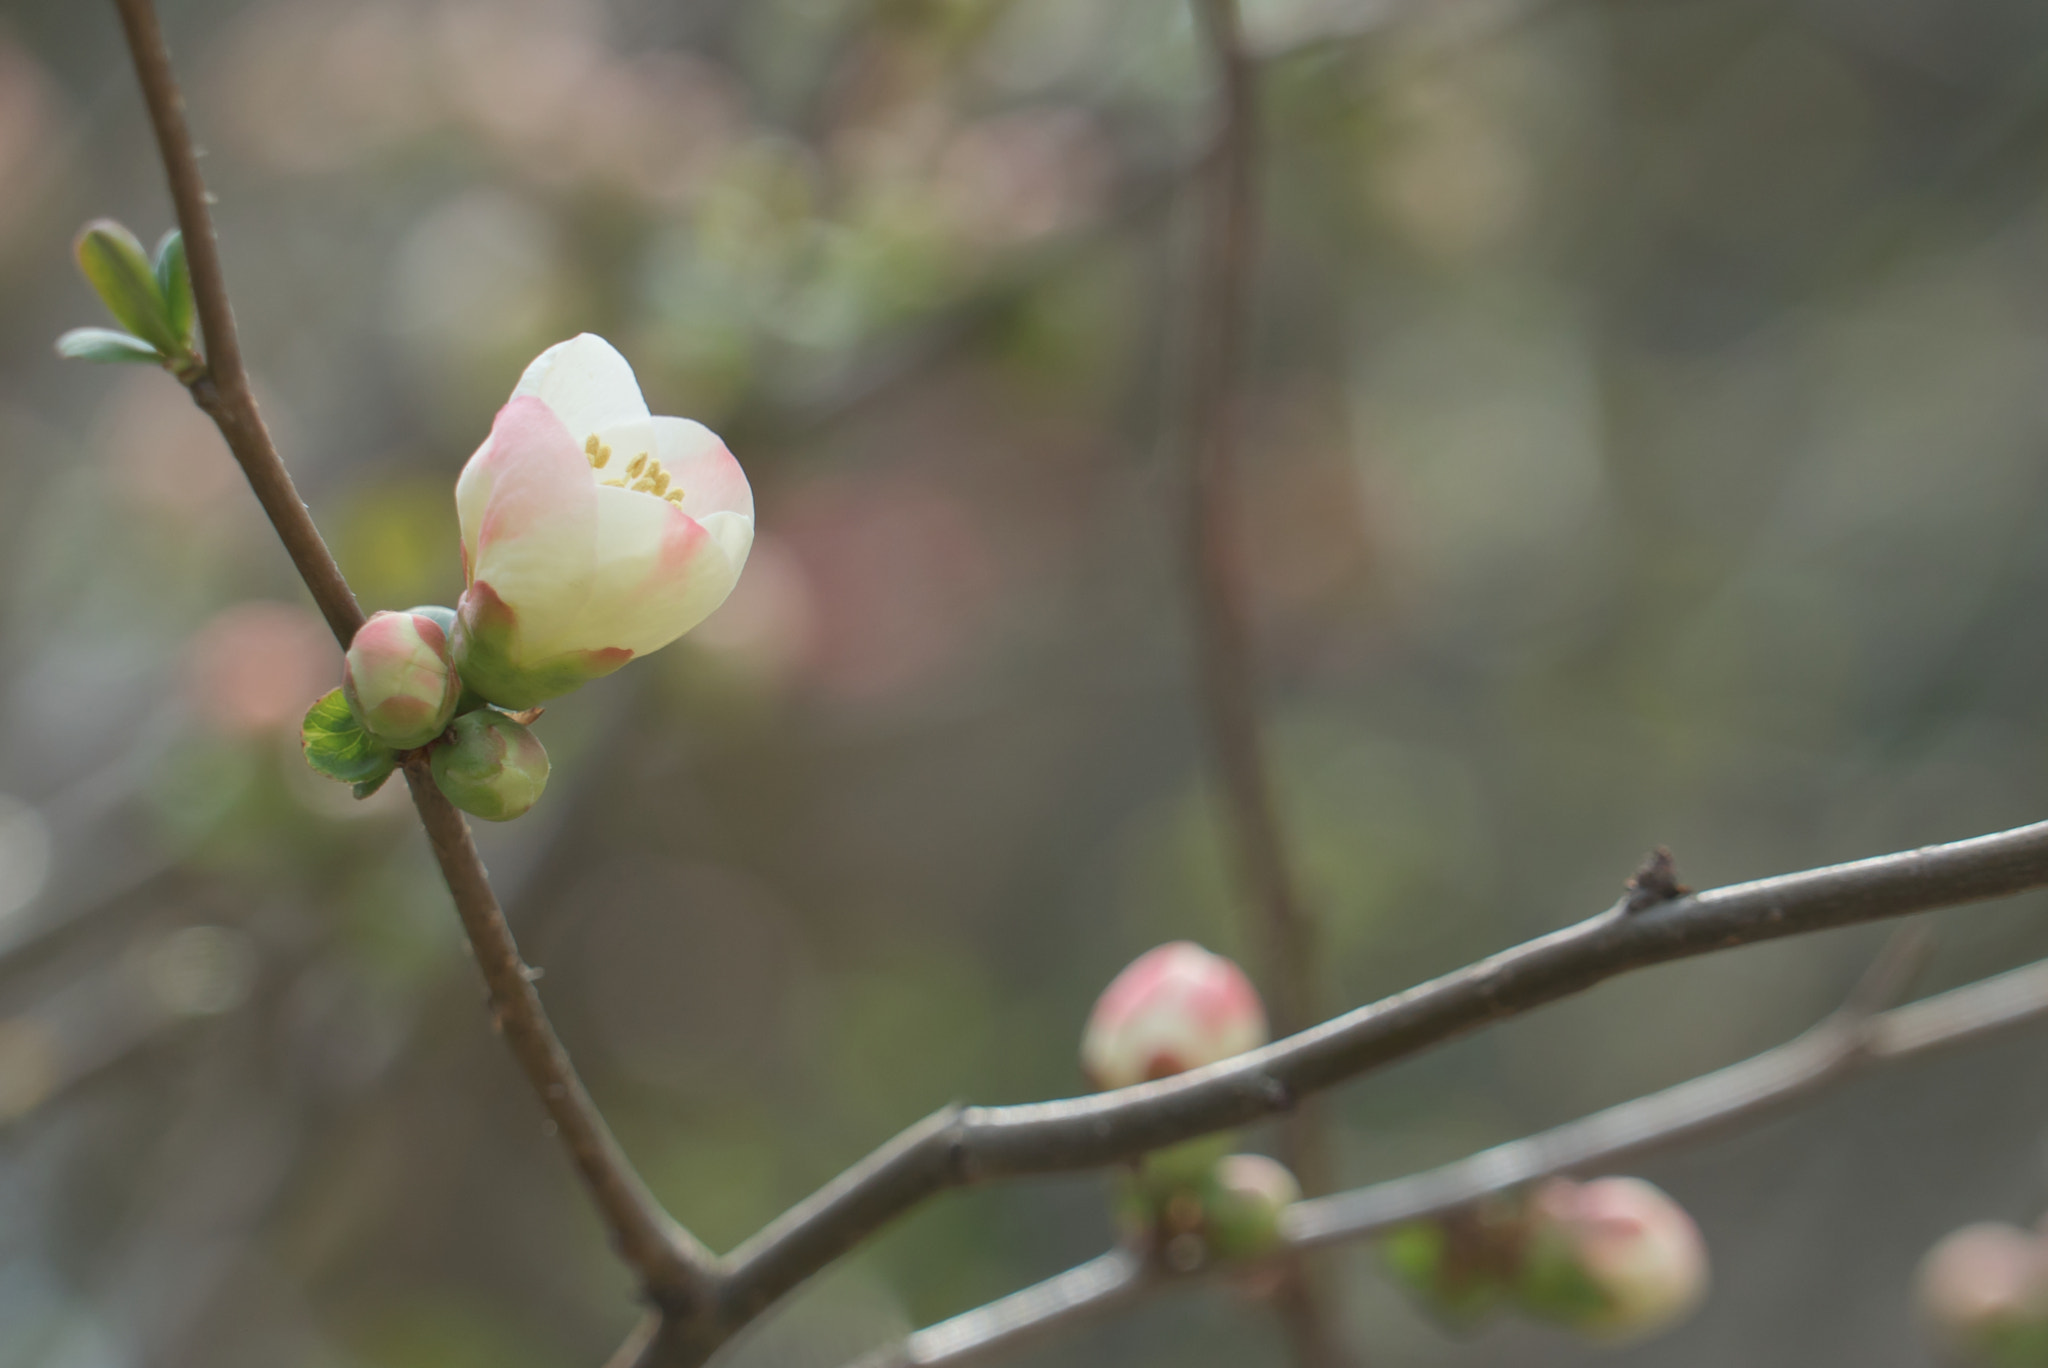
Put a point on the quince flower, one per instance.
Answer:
(592, 531)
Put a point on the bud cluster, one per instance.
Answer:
(1614, 1259)
(1984, 1290)
(401, 694)
(1174, 1008)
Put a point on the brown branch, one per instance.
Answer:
(222, 390)
(1857, 1037)
(674, 1268)
(1281, 926)
(1214, 549)
(972, 1145)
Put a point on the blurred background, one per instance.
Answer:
(1648, 412)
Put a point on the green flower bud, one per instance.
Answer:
(1246, 1195)
(491, 766)
(398, 679)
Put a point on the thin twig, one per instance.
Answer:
(1211, 426)
(1214, 543)
(1095, 1288)
(675, 1269)
(966, 1145)
(222, 390)
(1853, 1039)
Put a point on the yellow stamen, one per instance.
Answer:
(638, 467)
(619, 483)
(674, 496)
(597, 451)
(644, 485)
(660, 480)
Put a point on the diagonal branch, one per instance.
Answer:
(674, 1268)
(979, 1144)
(1857, 1037)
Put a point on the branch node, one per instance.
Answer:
(1276, 1094)
(1655, 881)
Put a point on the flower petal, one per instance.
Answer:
(587, 383)
(528, 508)
(659, 572)
(711, 480)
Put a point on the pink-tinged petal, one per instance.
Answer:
(661, 571)
(711, 480)
(536, 523)
(501, 663)
(587, 383)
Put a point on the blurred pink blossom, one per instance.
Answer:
(258, 666)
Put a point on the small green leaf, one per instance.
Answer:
(174, 285)
(104, 344)
(370, 786)
(116, 266)
(338, 747)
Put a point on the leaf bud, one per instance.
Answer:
(120, 272)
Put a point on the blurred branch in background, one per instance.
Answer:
(1859, 1036)
(1210, 436)
(672, 1265)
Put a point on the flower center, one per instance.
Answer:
(643, 473)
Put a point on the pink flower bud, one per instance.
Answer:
(1614, 1258)
(398, 679)
(1175, 1007)
(491, 766)
(1985, 1288)
(1247, 1195)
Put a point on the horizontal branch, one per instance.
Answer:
(959, 1146)
(1852, 1040)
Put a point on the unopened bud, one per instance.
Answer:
(1247, 1195)
(1174, 1008)
(398, 679)
(1985, 1289)
(490, 766)
(1615, 1258)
